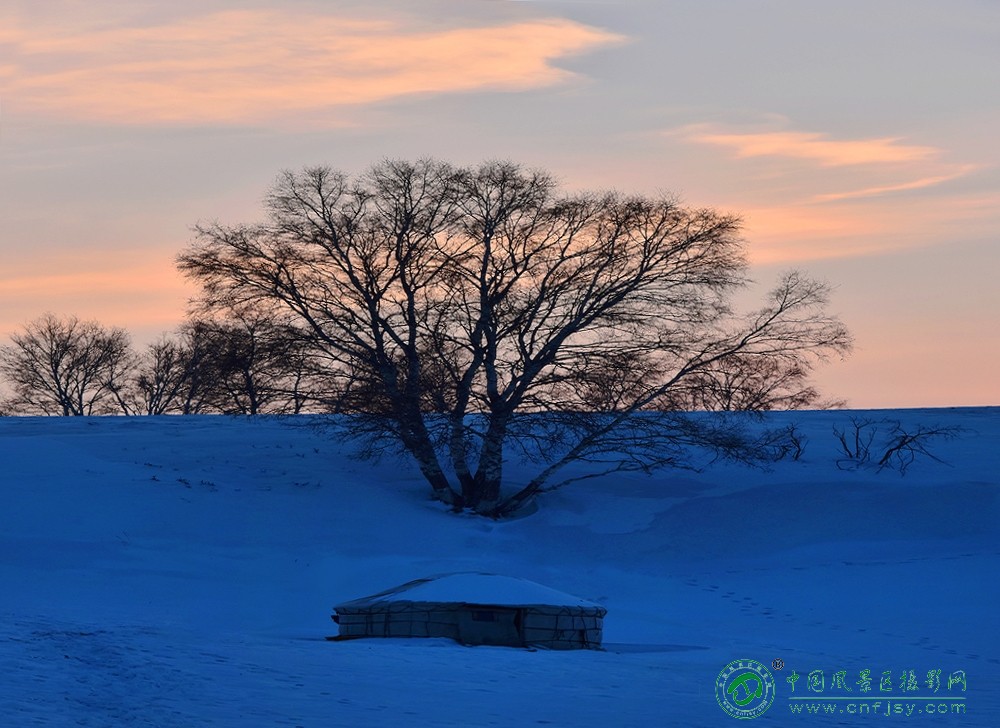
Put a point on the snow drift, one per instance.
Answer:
(179, 571)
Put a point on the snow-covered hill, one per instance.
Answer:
(180, 571)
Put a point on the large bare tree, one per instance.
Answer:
(477, 311)
(64, 366)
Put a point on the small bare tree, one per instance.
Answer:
(182, 373)
(64, 366)
(163, 377)
(253, 363)
(888, 444)
(473, 310)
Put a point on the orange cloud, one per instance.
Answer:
(114, 288)
(254, 65)
(815, 147)
(793, 233)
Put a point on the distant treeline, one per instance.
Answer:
(245, 363)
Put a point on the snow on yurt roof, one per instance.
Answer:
(473, 588)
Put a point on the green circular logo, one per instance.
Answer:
(745, 689)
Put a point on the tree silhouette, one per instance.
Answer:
(479, 311)
(64, 366)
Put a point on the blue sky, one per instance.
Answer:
(857, 140)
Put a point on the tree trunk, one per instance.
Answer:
(417, 441)
(443, 491)
(484, 491)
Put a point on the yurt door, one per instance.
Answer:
(490, 626)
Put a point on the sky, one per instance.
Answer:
(857, 140)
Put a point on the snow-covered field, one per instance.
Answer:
(180, 571)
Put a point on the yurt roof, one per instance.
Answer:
(473, 588)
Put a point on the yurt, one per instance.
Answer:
(475, 609)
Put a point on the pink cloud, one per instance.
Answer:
(814, 147)
(807, 196)
(916, 184)
(252, 66)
